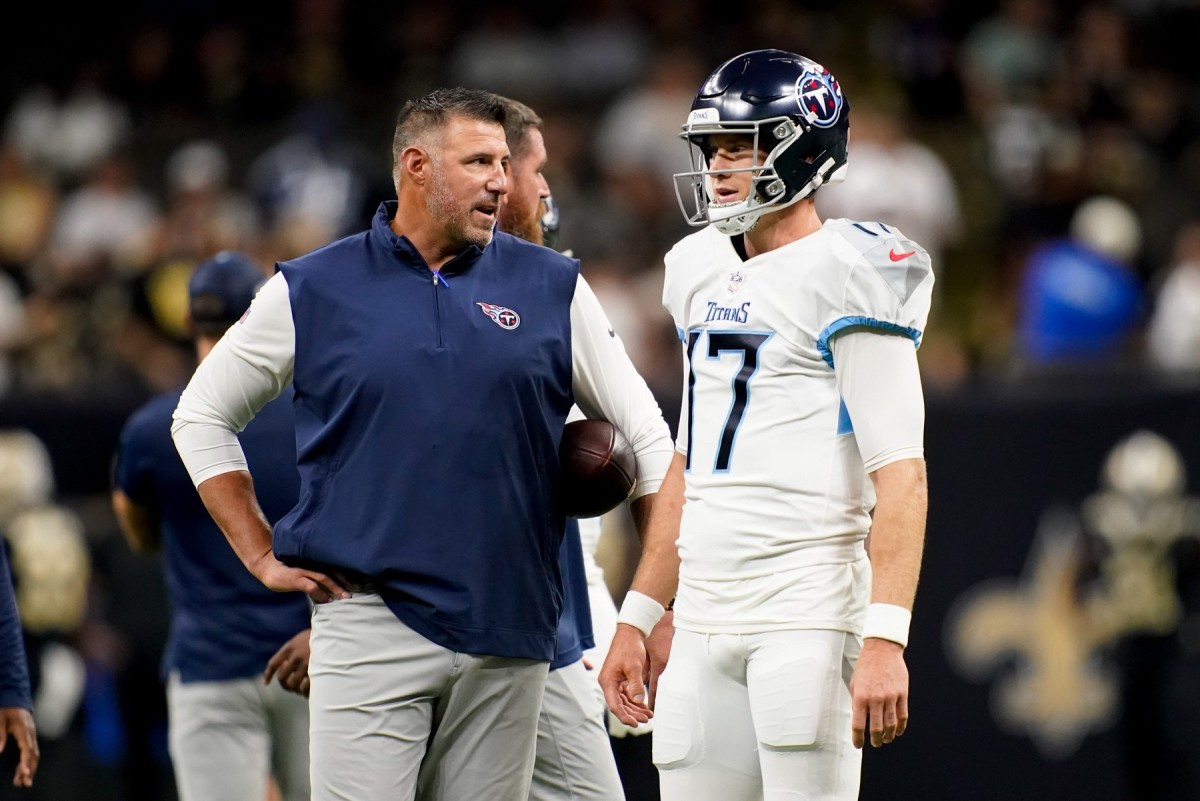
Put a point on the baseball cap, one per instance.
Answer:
(220, 289)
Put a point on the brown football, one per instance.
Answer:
(598, 468)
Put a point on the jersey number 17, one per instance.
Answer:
(722, 343)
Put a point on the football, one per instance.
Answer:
(598, 468)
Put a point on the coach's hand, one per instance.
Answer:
(275, 575)
(624, 675)
(18, 723)
(290, 664)
(879, 693)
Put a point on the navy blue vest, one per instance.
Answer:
(224, 623)
(429, 410)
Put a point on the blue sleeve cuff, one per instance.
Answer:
(15, 697)
(837, 326)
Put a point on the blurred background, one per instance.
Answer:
(1045, 153)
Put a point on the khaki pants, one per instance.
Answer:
(575, 761)
(395, 717)
(228, 737)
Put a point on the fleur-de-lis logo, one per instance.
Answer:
(1055, 622)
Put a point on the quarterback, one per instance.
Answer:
(790, 527)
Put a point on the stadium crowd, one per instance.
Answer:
(1046, 153)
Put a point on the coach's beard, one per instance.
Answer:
(459, 220)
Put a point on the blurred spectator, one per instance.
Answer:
(67, 125)
(1098, 54)
(104, 228)
(28, 202)
(12, 330)
(151, 77)
(920, 49)
(1011, 54)
(506, 53)
(239, 90)
(1080, 302)
(637, 150)
(637, 141)
(894, 177)
(1173, 333)
(602, 49)
(311, 186)
(204, 213)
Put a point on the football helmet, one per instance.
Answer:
(549, 222)
(796, 113)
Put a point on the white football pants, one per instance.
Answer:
(757, 717)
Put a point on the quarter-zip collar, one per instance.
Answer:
(384, 237)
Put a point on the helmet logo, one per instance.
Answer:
(819, 96)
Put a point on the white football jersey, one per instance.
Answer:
(778, 500)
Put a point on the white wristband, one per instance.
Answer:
(887, 622)
(640, 611)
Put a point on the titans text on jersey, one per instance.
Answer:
(732, 314)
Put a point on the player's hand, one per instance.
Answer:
(290, 664)
(275, 575)
(879, 693)
(623, 677)
(658, 650)
(19, 723)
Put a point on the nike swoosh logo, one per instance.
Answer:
(894, 256)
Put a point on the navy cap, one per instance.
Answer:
(220, 289)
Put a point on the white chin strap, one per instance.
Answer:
(739, 224)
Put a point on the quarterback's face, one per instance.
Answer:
(522, 207)
(468, 180)
(732, 156)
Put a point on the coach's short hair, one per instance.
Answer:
(518, 119)
(418, 117)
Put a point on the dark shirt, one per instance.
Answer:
(224, 623)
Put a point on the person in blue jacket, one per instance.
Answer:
(16, 704)
(229, 733)
(433, 362)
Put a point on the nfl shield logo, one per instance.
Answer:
(735, 282)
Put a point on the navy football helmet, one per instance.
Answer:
(798, 116)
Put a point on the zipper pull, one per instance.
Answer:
(437, 276)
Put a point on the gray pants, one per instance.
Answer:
(574, 758)
(396, 717)
(228, 737)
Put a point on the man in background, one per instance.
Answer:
(16, 704)
(229, 732)
(574, 757)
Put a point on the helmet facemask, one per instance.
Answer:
(795, 113)
(787, 174)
